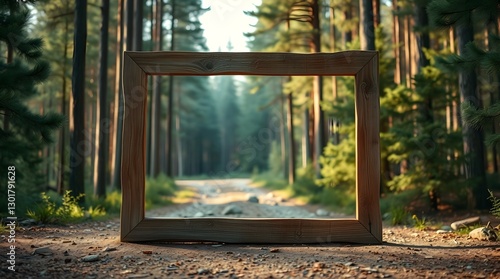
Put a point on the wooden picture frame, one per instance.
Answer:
(365, 228)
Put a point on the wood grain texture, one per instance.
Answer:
(366, 228)
(133, 171)
(256, 63)
(368, 149)
(230, 230)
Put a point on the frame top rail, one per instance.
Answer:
(345, 63)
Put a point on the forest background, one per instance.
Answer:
(61, 104)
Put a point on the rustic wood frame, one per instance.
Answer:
(365, 228)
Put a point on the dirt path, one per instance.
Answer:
(93, 250)
(239, 198)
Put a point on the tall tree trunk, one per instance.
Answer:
(319, 116)
(306, 143)
(291, 140)
(408, 50)
(283, 131)
(156, 99)
(127, 41)
(425, 108)
(396, 42)
(101, 134)
(77, 155)
(138, 25)
(473, 139)
(169, 145)
(118, 101)
(129, 25)
(347, 33)
(376, 13)
(334, 121)
(180, 163)
(61, 177)
(367, 31)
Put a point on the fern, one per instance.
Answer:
(495, 209)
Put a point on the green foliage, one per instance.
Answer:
(495, 209)
(338, 162)
(305, 183)
(398, 216)
(443, 13)
(23, 133)
(50, 212)
(109, 205)
(275, 163)
(96, 212)
(417, 139)
(418, 223)
(159, 191)
(45, 211)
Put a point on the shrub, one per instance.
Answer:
(159, 191)
(49, 212)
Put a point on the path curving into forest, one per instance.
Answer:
(238, 198)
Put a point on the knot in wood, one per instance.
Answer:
(366, 90)
(209, 65)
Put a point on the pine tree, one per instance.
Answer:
(23, 133)
(464, 15)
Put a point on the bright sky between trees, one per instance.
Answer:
(226, 22)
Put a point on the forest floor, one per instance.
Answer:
(93, 249)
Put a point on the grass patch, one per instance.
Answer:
(102, 208)
(159, 191)
(468, 229)
(306, 191)
(419, 223)
(398, 215)
(184, 195)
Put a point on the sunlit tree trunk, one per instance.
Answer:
(396, 43)
(102, 113)
(334, 125)
(118, 101)
(319, 116)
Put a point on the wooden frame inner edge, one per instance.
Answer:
(365, 228)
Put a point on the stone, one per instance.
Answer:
(108, 249)
(203, 271)
(465, 223)
(90, 258)
(322, 213)
(483, 234)
(232, 209)
(199, 214)
(44, 251)
(253, 199)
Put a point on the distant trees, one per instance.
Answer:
(219, 125)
